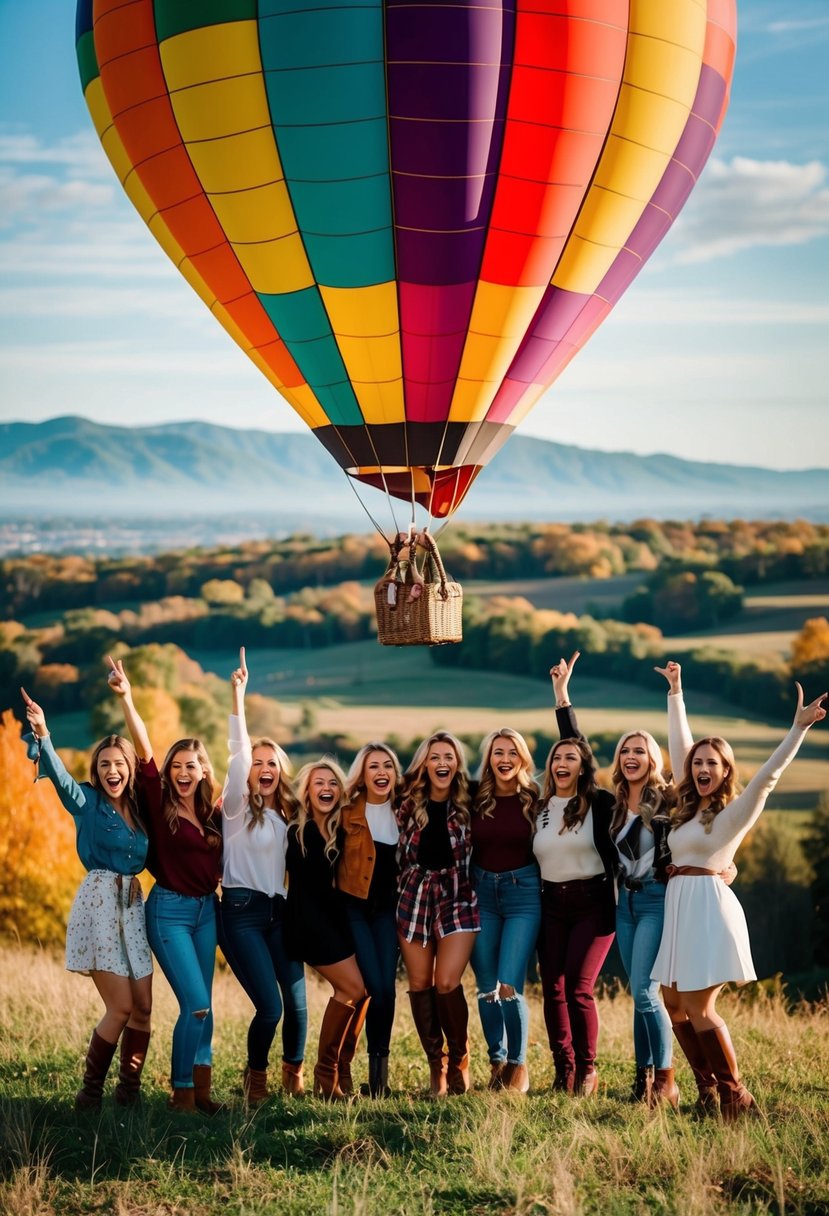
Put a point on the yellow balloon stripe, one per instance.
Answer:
(366, 325)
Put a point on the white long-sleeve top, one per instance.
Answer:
(714, 850)
(254, 857)
(568, 857)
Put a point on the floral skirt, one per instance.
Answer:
(105, 932)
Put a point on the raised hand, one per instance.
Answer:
(673, 674)
(807, 715)
(239, 677)
(560, 675)
(117, 678)
(35, 716)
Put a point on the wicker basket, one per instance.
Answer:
(417, 604)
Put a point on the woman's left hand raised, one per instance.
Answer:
(560, 675)
(35, 716)
(807, 715)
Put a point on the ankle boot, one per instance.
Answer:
(708, 1102)
(98, 1059)
(453, 1014)
(427, 1025)
(202, 1084)
(292, 1080)
(516, 1078)
(134, 1045)
(378, 1077)
(335, 1023)
(665, 1089)
(735, 1100)
(255, 1086)
(349, 1046)
(642, 1082)
(564, 1075)
(586, 1084)
(498, 1070)
(182, 1100)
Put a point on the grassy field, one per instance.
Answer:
(474, 1156)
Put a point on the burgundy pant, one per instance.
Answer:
(577, 927)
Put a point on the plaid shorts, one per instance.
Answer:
(436, 903)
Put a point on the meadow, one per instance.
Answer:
(544, 1155)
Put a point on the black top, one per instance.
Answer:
(316, 925)
(435, 848)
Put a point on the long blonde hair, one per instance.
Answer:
(416, 782)
(528, 791)
(128, 752)
(658, 794)
(355, 785)
(576, 809)
(203, 797)
(304, 812)
(688, 799)
(286, 803)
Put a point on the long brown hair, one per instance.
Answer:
(130, 797)
(304, 812)
(688, 799)
(658, 794)
(586, 787)
(286, 804)
(484, 803)
(203, 797)
(416, 782)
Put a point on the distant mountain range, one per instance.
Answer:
(71, 468)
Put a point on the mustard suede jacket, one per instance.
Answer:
(355, 865)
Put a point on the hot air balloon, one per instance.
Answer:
(410, 214)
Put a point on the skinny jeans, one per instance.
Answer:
(639, 918)
(377, 949)
(181, 930)
(251, 934)
(577, 929)
(509, 904)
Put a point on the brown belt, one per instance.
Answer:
(693, 871)
(135, 891)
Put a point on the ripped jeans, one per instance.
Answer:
(510, 909)
(181, 930)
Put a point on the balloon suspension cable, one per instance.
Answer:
(377, 527)
(385, 483)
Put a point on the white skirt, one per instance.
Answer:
(104, 932)
(704, 936)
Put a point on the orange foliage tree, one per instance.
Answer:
(812, 643)
(39, 867)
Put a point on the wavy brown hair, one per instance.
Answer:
(586, 785)
(416, 782)
(286, 804)
(304, 812)
(688, 800)
(355, 786)
(203, 798)
(528, 791)
(128, 751)
(658, 793)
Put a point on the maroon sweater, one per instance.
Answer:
(183, 861)
(502, 841)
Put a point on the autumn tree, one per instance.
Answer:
(812, 643)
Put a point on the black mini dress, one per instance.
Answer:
(316, 922)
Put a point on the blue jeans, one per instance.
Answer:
(510, 909)
(375, 942)
(181, 930)
(251, 934)
(639, 917)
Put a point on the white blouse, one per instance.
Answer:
(572, 855)
(255, 857)
(382, 822)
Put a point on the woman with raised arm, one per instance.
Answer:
(106, 937)
(317, 927)
(185, 859)
(578, 902)
(508, 886)
(705, 940)
(257, 805)
(437, 912)
(367, 877)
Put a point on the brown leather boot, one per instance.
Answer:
(427, 1025)
(665, 1089)
(586, 1084)
(516, 1079)
(134, 1044)
(292, 1080)
(255, 1086)
(98, 1059)
(335, 1023)
(453, 1014)
(183, 1100)
(640, 1090)
(708, 1102)
(735, 1100)
(498, 1070)
(349, 1046)
(202, 1084)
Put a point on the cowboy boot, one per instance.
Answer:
(183, 1100)
(255, 1086)
(427, 1025)
(642, 1083)
(202, 1083)
(453, 1014)
(98, 1059)
(335, 1023)
(516, 1079)
(735, 1100)
(349, 1046)
(708, 1102)
(378, 1076)
(134, 1045)
(664, 1089)
(292, 1080)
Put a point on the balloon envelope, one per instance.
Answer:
(410, 215)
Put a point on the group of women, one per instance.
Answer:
(345, 873)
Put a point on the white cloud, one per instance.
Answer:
(79, 155)
(93, 302)
(798, 25)
(652, 308)
(121, 359)
(23, 197)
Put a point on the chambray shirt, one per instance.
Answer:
(104, 840)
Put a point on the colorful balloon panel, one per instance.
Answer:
(409, 214)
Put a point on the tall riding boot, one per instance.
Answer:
(427, 1025)
(349, 1046)
(98, 1059)
(735, 1100)
(202, 1084)
(134, 1045)
(335, 1023)
(292, 1080)
(453, 1014)
(665, 1089)
(378, 1076)
(708, 1098)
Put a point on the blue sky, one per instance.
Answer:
(718, 352)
